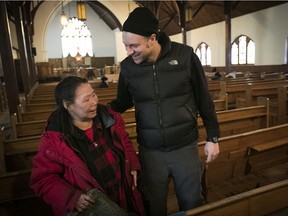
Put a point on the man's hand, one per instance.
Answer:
(211, 151)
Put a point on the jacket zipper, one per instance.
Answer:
(158, 101)
(157, 94)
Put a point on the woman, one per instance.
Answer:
(84, 146)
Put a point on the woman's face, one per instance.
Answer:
(85, 103)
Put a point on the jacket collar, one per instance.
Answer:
(106, 118)
(165, 43)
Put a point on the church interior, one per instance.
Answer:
(249, 88)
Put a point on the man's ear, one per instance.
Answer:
(153, 37)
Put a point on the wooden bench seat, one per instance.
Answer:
(269, 145)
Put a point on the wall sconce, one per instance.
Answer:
(63, 17)
(81, 11)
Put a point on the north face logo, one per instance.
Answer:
(173, 62)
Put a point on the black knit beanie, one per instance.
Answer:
(141, 21)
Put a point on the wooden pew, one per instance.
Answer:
(18, 153)
(3, 97)
(36, 112)
(50, 99)
(245, 154)
(279, 107)
(14, 186)
(246, 163)
(252, 91)
(217, 89)
(276, 95)
(31, 127)
(283, 104)
(99, 91)
(40, 111)
(238, 89)
(261, 201)
(238, 121)
(36, 107)
(227, 144)
(24, 129)
(231, 122)
(233, 154)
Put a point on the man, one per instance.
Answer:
(165, 82)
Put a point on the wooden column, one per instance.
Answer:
(7, 61)
(25, 73)
(28, 33)
(227, 11)
(182, 8)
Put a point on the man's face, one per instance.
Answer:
(140, 48)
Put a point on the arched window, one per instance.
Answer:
(76, 39)
(243, 50)
(203, 51)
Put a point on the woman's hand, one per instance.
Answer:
(84, 202)
(134, 174)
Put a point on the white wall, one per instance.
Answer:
(102, 40)
(268, 28)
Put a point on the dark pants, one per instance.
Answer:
(183, 166)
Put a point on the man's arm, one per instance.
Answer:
(123, 100)
(203, 98)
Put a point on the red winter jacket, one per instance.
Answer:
(59, 176)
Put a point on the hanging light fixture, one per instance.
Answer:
(63, 18)
(81, 10)
(76, 39)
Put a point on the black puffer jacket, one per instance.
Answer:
(168, 95)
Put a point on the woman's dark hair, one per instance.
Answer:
(65, 90)
(60, 119)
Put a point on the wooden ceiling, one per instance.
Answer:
(171, 13)
(203, 13)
